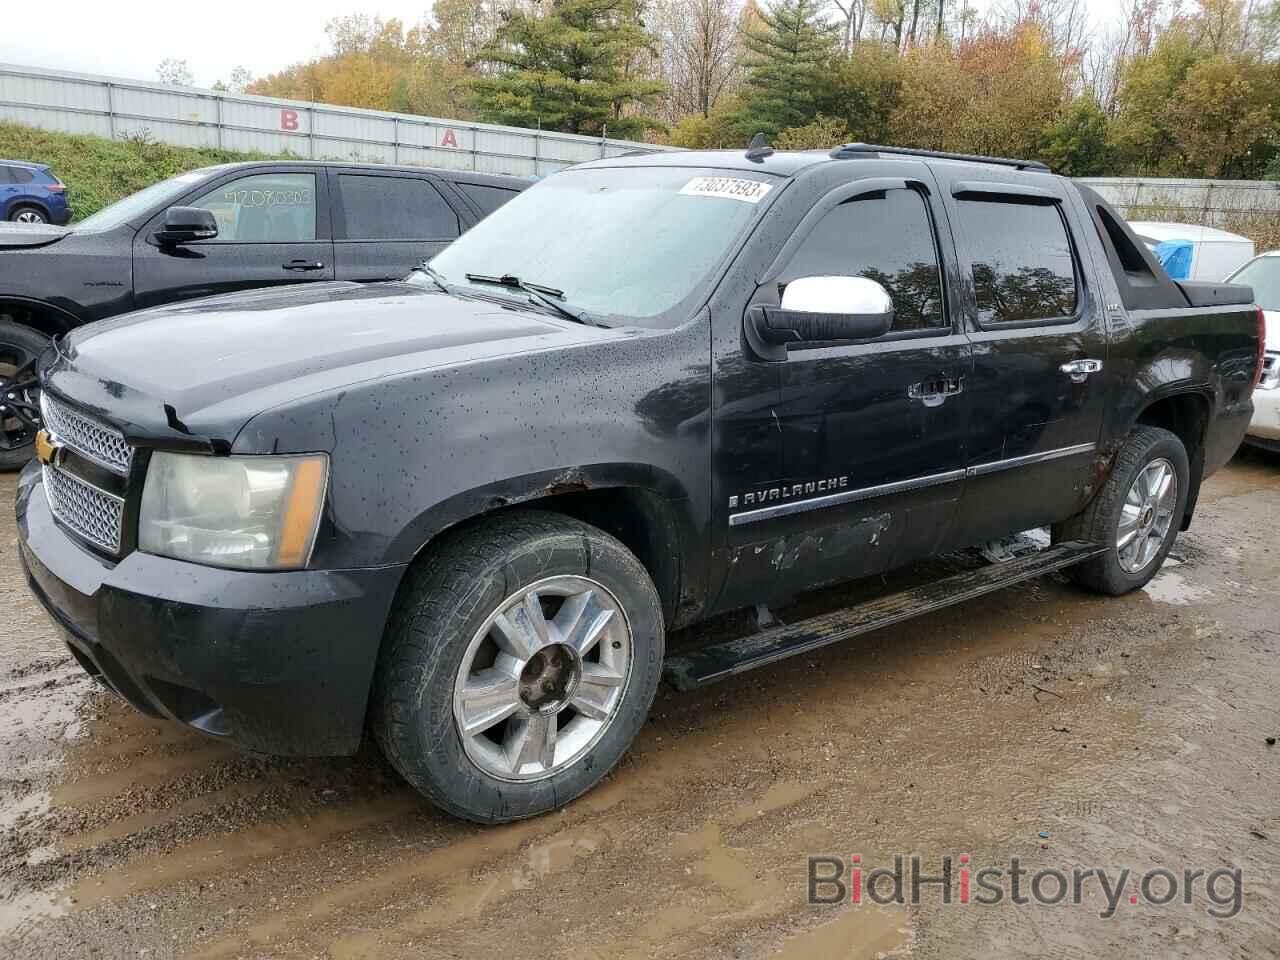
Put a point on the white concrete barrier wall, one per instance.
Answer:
(1210, 202)
(189, 117)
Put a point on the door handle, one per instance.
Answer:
(934, 393)
(1079, 370)
(303, 265)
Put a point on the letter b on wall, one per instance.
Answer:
(288, 119)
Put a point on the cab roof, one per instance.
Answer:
(760, 157)
(782, 163)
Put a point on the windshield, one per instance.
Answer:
(628, 242)
(1263, 275)
(143, 202)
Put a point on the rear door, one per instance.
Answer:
(484, 197)
(386, 223)
(1037, 325)
(273, 228)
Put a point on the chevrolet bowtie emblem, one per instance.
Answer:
(46, 450)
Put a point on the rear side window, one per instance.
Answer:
(20, 175)
(887, 237)
(395, 208)
(266, 208)
(1023, 267)
(487, 198)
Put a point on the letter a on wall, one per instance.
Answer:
(450, 139)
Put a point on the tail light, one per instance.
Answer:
(55, 188)
(1262, 347)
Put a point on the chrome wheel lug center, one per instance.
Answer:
(548, 678)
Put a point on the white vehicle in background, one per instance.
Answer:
(1209, 254)
(1263, 274)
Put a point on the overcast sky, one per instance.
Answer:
(129, 39)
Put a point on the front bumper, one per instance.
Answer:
(280, 663)
(1265, 425)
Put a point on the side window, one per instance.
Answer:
(21, 175)
(1023, 267)
(5, 176)
(887, 237)
(487, 198)
(395, 208)
(265, 208)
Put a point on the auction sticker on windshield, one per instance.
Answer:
(727, 188)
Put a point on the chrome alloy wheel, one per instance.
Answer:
(543, 678)
(1147, 515)
(28, 216)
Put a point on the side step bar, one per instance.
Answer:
(719, 660)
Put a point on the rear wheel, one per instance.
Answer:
(1137, 513)
(20, 347)
(519, 664)
(28, 215)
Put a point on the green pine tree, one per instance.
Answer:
(788, 61)
(572, 69)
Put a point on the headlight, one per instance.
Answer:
(253, 513)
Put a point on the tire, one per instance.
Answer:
(19, 419)
(460, 614)
(1147, 451)
(28, 214)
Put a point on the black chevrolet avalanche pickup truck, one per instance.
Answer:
(464, 510)
(215, 230)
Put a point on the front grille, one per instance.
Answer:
(88, 511)
(96, 441)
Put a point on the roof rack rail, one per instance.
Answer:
(851, 150)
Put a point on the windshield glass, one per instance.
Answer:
(1264, 276)
(628, 242)
(142, 203)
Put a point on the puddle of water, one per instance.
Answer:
(1169, 586)
(25, 910)
(860, 933)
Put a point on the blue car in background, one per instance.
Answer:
(30, 193)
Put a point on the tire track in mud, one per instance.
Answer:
(931, 737)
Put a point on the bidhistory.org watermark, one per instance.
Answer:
(948, 880)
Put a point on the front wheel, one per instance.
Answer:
(519, 664)
(1137, 513)
(20, 347)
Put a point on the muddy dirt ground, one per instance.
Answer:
(1131, 733)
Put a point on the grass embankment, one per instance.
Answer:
(98, 171)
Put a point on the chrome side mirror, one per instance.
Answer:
(820, 310)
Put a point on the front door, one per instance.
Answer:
(1040, 375)
(870, 435)
(272, 229)
(386, 223)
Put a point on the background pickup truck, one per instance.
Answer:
(214, 230)
(468, 507)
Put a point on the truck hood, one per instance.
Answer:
(203, 369)
(23, 235)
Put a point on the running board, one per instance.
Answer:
(719, 660)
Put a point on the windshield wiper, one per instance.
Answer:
(434, 274)
(549, 296)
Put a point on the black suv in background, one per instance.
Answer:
(217, 230)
